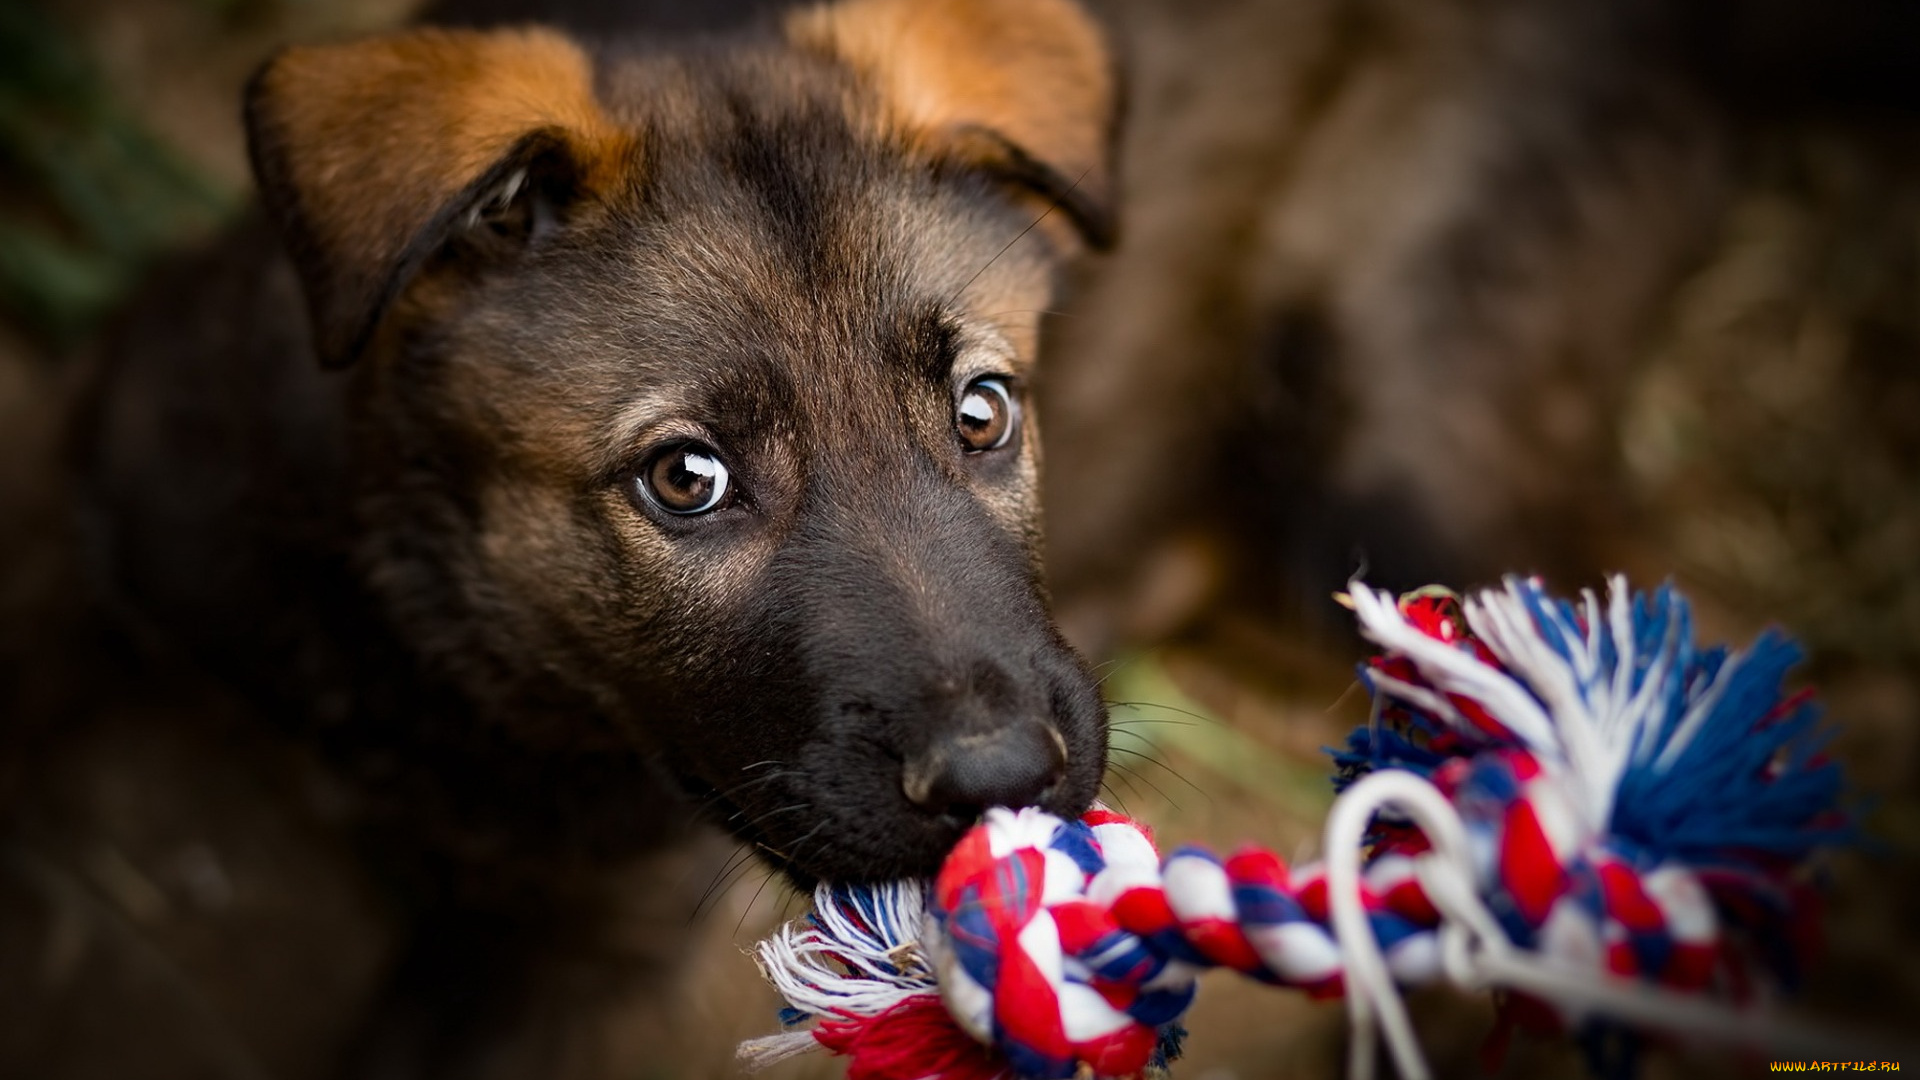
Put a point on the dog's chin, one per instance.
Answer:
(911, 857)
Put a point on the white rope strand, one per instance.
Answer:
(1370, 988)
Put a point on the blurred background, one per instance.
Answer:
(1435, 289)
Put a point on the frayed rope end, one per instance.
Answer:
(769, 1050)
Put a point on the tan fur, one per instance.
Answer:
(1033, 71)
(411, 120)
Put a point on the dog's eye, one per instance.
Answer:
(685, 478)
(986, 418)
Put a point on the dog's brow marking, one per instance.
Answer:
(634, 419)
(987, 351)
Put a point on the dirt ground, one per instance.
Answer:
(1773, 440)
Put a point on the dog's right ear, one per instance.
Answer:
(371, 155)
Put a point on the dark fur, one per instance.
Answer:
(430, 574)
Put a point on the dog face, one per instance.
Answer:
(690, 395)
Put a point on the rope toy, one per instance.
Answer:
(1567, 801)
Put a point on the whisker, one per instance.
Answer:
(739, 873)
(1136, 721)
(1032, 311)
(1051, 207)
(1134, 735)
(707, 801)
(735, 861)
(733, 864)
(1135, 774)
(1170, 770)
(793, 854)
(1114, 667)
(758, 781)
(745, 812)
(783, 810)
(1125, 776)
(1202, 717)
(748, 910)
(1144, 740)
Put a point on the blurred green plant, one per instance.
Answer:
(1151, 713)
(87, 194)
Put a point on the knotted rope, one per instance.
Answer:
(1571, 802)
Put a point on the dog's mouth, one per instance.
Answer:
(813, 857)
(846, 811)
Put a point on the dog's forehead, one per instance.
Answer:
(770, 258)
(763, 208)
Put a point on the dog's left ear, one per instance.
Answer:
(1021, 89)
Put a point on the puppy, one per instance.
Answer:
(627, 430)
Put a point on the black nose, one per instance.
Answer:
(1016, 765)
